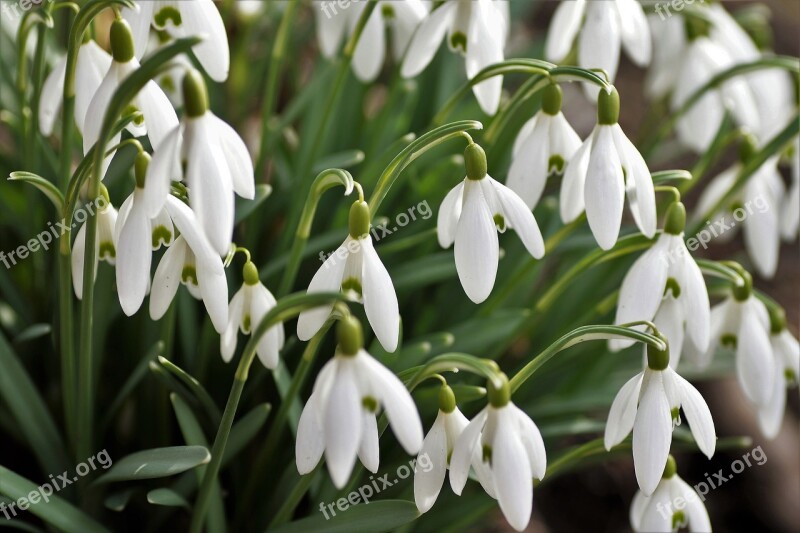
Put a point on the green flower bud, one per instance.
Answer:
(475, 161)
(608, 107)
(675, 221)
(350, 335)
(447, 399)
(195, 94)
(250, 274)
(359, 219)
(121, 38)
(658, 359)
(499, 396)
(551, 99)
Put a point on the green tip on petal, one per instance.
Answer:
(140, 168)
(475, 161)
(350, 335)
(359, 219)
(608, 107)
(195, 94)
(671, 468)
(658, 359)
(250, 273)
(696, 27)
(447, 399)
(121, 39)
(551, 99)
(499, 396)
(675, 221)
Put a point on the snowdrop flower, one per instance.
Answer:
(787, 371)
(607, 26)
(402, 17)
(157, 115)
(543, 147)
(105, 243)
(92, 64)
(190, 260)
(790, 210)
(137, 236)
(666, 285)
(648, 404)
(356, 269)
(247, 308)
(217, 165)
(471, 215)
(670, 34)
(605, 168)
(339, 418)
(477, 30)
(437, 448)
(506, 450)
(674, 505)
(184, 18)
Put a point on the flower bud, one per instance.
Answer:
(475, 161)
(359, 219)
(195, 94)
(608, 107)
(447, 399)
(250, 273)
(551, 99)
(350, 335)
(121, 39)
(675, 221)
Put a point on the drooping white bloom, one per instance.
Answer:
(217, 165)
(105, 243)
(670, 34)
(339, 418)
(504, 447)
(90, 68)
(437, 449)
(605, 169)
(248, 306)
(607, 27)
(666, 285)
(184, 18)
(157, 115)
(356, 269)
(755, 207)
(787, 372)
(674, 505)
(543, 147)
(476, 29)
(471, 215)
(648, 404)
(402, 17)
(190, 260)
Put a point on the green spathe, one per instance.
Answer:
(195, 94)
(350, 335)
(359, 219)
(121, 39)
(475, 162)
(608, 107)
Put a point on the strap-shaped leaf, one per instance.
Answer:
(45, 187)
(156, 463)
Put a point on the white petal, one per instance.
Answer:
(449, 214)
(563, 140)
(92, 65)
(428, 484)
(695, 511)
(167, 279)
(327, 279)
(229, 336)
(638, 507)
(518, 217)
(310, 442)
(237, 157)
(652, 434)
(270, 345)
(698, 416)
(463, 450)
(670, 321)
(635, 31)
(368, 451)
(426, 40)
(694, 296)
(599, 41)
(485, 47)
(162, 170)
(638, 183)
(512, 472)
(77, 258)
(623, 412)
(134, 255)
(604, 191)
(563, 29)
(371, 48)
(656, 517)
(201, 17)
(530, 165)
(159, 116)
(754, 357)
(342, 424)
(770, 415)
(531, 439)
(380, 300)
(572, 187)
(139, 20)
(477, 249)
(50, 97)
(762, 230)
(524, 132)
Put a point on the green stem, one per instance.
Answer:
(451, 362)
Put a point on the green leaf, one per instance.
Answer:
(45, 187)
(33, 332)
(194, 386)
(54, 511)
(118, 501)
(245, 429)
(374, 517)
(156, 463)
(245, 208)
(167, 498)
(346, 159)
(133, 380)
(663, 176)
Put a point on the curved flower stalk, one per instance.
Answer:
(248, 306)
(356, 269)
(471, 215)
(190, 260)
(339, 418)
(666, 285)
(649, 404)
(674, 505)
(787, 373)
(92, 64)
(605, 27)
(478, 30)
(217, 165)
(542, 149)
(402, 17)
(105, 245)
(605, 169)
(184, 18)
(504, 447)
(158, 116)
(437, 449)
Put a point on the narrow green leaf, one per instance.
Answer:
(156, 463)
(45, 187)
(346, 159)
(245, 429)
(374, 517)
(118, 501)
(33, 332)
(194, 386)
(167, 498)
(245, 208)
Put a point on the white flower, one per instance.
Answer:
(647, 404)
(755, 206)
(248, 306)
(190, 260)
(506, 450)
(471, 215)
(477, 29)
(607, 26)
(217, 165)
(157, 115)
(790, 210)
(787, 370)
(543, 147)
(606, 167)
(184, 18)
(674, 505)
(339, 418)
(402, 17)
(437, 449)
(92, 64)
(356, 269)
(670, 34)
(105, 243)
(666, 285)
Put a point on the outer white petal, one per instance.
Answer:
(327, 279)
(380, 300)
(635, 31)
(343, 424)
(449, 214)
(461, 458)
(787, 352)
(652, 434)
(167, 279)
(694, 297)
(599, 41)
(200, 17)
(139, 20)
(530, 165)
(563, 29)
(50, 98)
(368, 451)
(531, 439)
(518, 217)
(162, 170)
(572, 187)
(754, 357)
(330, 30)
(427, 38)
(477, 250)
(623, 412)
(697, 414)
(670, 321)
(134, 256)
(762, 229)
(237, 157)
(512, 471)
(77, 259)
(653, 519)
(604, 191)
(270, 345)
(524, 132)
(310, 441)
(371, 48)
(235, 314)
(407, 18)
(563, 140)
(159, 116)
(770, 415)
(92, 65)
(638, 506)
(485, 47)
(638, 183)
(427, 485)
(695, 511)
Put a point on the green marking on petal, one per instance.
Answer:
(161, 236)
(487, 454)
(500, 222)
(675, 412)
(107, 251)
(387, 11)
(556, 164)
(458, 41)
(189, 275)
(449, 455)
(729, 341)
(370, 404)
(352, 284)
(678, 519)
(168, 84)
(246, 323)
(672, 286)
(789, 374)
(167, 14)
(130, 110)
